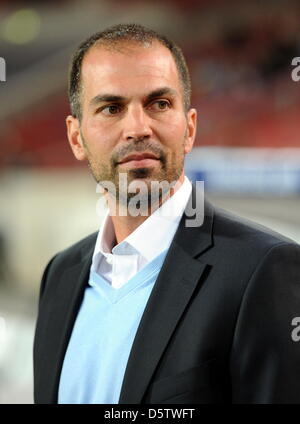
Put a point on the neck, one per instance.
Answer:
(125, 225)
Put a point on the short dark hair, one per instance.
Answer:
(111, 37)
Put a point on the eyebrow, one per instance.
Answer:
(113, 98)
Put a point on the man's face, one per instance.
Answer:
(133, 118)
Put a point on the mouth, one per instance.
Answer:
(140, 160)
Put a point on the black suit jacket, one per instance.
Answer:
(217, 327)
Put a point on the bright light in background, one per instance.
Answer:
(2, 337)
(22, 26)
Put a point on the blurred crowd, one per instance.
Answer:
(239, 54)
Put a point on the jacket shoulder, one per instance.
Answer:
(74, 253)
(230, 225)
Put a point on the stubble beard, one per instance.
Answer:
(170, 170)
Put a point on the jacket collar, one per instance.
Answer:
(180, 274)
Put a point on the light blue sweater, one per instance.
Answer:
(102, 337)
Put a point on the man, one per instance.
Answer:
(151, 309)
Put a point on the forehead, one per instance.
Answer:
(128, 69)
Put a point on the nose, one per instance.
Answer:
(136, 124)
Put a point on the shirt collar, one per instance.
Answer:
(166, 219)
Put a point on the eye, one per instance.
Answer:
(110, 109)
(161, 104)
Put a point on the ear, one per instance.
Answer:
(191, 130)
(74, 137)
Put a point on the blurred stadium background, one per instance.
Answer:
(247, 150)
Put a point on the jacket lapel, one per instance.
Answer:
(171, 293)
(67, 303)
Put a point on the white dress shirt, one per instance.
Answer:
(120, 263)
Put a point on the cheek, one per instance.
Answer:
(173, 134)
(100, 137)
